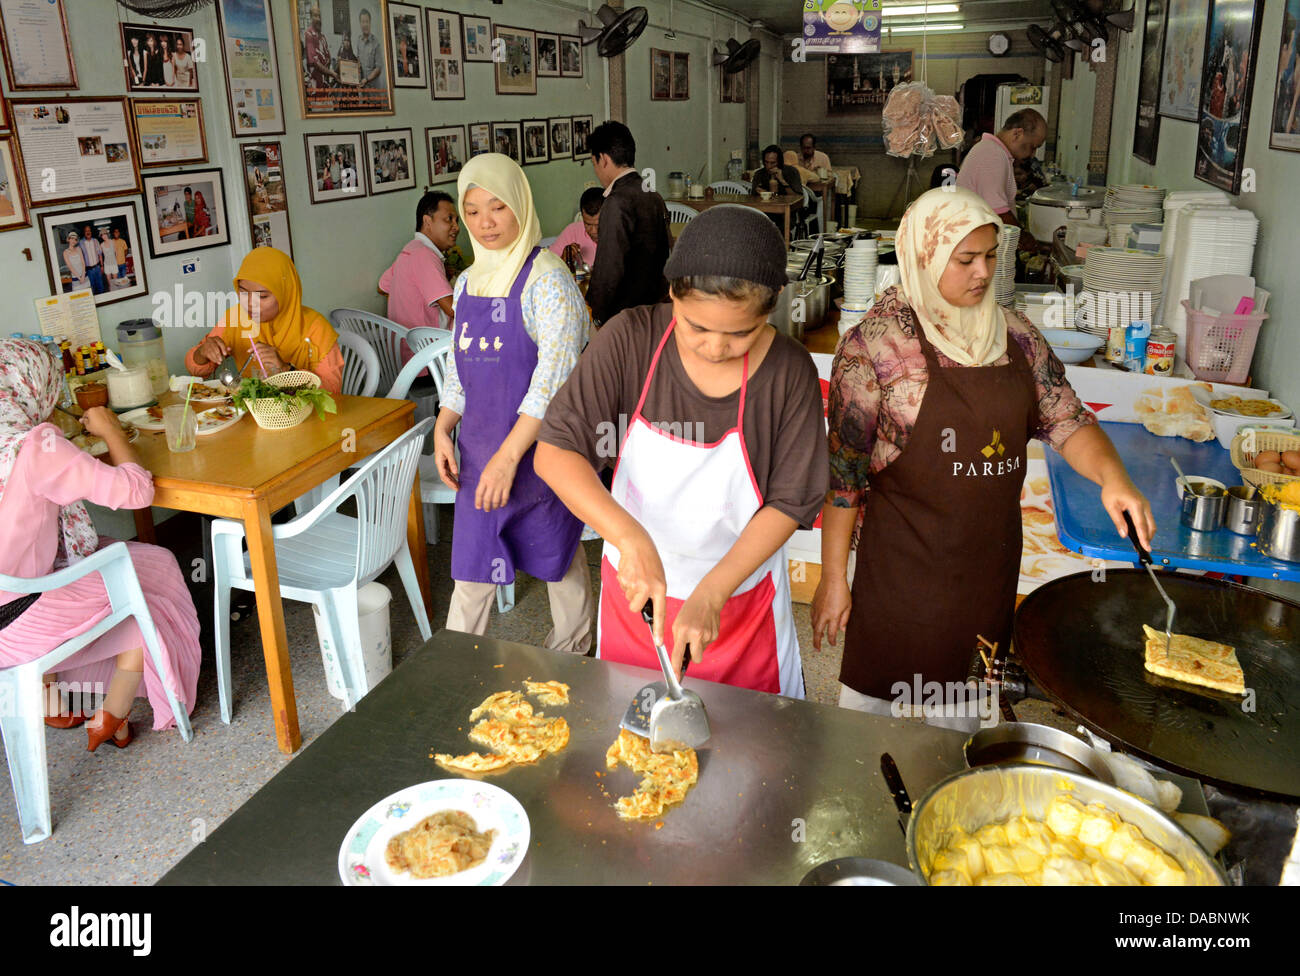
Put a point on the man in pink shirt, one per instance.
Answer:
(416, 283)
(989, 168)
(583, 233)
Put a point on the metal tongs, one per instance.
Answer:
(817, 251)
(1144, 556)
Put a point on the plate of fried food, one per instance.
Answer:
(444, 832)
(97, 446)
(216, 418)
(145, 418)
(205, 391)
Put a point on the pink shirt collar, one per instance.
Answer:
(1001, 145)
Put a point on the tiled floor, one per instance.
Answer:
(125, 816)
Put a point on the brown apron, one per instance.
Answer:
(939, 554)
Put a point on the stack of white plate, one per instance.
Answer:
(1131, 203)
(1208, 240)
(1124, 285)
(1004, 279)
(860, 263)
(1036, 306)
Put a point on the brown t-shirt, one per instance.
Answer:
(785, 433)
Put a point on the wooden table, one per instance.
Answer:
(247, 473)
(777, 205)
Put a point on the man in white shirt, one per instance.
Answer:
(989, 168)
(809, 156)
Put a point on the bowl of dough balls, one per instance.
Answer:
(1035, 825)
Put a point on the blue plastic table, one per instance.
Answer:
(1083, 525)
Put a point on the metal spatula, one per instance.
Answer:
(670, 716)
(1145, 558)
(637, 717)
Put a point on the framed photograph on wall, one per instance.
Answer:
(447, 152)
(390, 160)
(535, 141)
(333, 166)
(38, 55)
(446, 55)
(478, 37)
(561, 131)
(185, 211)
(159, 59)
(85, 142)
(507, 140)
(516, 72)
(1284, 131)
(1184, 53)
(408, 45)
(252, 70)
(1227, 78)
(169, 133)
(661, 75)
(570, 56)
(342, 55)
(480, 138)
(264, 192)
(13, 202)
(581, 132)
(112, 268)
(731, 87)
(681, 76)
(548, 55)
(1146, 126)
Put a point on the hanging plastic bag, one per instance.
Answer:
(918, 122)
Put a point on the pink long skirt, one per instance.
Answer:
(62, 614)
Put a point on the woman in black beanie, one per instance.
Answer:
(716, 423)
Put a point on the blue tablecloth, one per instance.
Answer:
(1083, 525)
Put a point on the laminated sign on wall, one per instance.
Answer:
(841, 26)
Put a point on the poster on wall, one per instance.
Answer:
(1227, 77)
(1284, 133)
(37, 53)
(169, 133)
(96, 248)
(841, 26)
(75, 148)
(446, 56)
(1180, 81)
(862, 82)
(252, 71)
(1146, 128)
(342, 58)
(264, 192)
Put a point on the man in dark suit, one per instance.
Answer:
(629, 268)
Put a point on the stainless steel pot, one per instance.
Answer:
(1243, 509)
(1203, 507)
(801, 306)
(1017, 743)
(1278, 535)
(992, 794)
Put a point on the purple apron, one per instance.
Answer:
(534, 532)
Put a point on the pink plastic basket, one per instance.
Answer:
(1220, 347)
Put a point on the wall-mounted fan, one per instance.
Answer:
(738, 56)
(617, 30)
(1049, 42)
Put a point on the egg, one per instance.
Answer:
(1268, 457)
(1272, 467)
(1291, 459)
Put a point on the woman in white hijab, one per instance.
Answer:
(519, 325)
(933, 399)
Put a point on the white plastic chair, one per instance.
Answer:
(360, 366)
(680, 213)
(730, 188)
(433, 355)
(324, 557)
(421, 336)
(384, 335)
(22, 713)
(812, 209)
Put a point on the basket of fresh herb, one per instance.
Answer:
(284, 400)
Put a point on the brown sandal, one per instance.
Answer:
(65, 721)
(103, 728)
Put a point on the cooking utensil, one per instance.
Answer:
(1144, 557)
(894, 780)
(1080, 642)
(1279, 532)
(637, 717)
(226, 373)
(1203, 507)
(975, 798)
(677, 720)
(1192, 486)
(1017, 743)
(859, 871)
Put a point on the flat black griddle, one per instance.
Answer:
(1081, 642)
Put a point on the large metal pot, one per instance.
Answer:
(993, 794)
(1279, 532)
(802, 305)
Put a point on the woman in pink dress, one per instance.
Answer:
(44, 479)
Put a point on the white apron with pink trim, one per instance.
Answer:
(695, 500)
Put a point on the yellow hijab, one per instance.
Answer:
(301, 336)
(494, 272)
(931, 229)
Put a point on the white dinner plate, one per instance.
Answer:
(142, 419)
(1204, 398)
(361, 856)
(179, 384)
(216, 418)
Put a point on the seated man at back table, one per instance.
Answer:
(809, 157)
(989, 168)
(416, 283)
(582, 233)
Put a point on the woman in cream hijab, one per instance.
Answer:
(933, 399)
(519, 324)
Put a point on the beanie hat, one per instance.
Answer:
(730, 241)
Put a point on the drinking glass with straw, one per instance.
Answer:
(180, 434)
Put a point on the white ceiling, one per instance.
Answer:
(785, 17)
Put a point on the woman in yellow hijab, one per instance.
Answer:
(272, 319)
